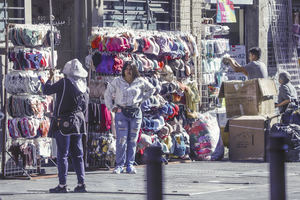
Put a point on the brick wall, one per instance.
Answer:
(190, 16)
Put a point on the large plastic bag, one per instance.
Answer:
(205, 138)
(291, 132)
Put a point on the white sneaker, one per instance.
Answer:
(131, 170)
(118, 170)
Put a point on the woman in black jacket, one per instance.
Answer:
(71, 98)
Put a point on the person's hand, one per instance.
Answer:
(226, 60)
(115, 109)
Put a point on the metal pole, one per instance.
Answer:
(4, 108)
(3, 124)
(154, 173)
(51, 34)
(267, 134)
(124, 12)
(175, 12)
(148, 14)
(277, 169)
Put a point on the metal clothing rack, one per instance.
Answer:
(5, 99)
(102, 161)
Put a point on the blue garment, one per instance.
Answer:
(127, 131)
(72, 144)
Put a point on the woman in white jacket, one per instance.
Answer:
(124, 95)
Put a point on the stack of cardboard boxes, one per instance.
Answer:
(248, 105)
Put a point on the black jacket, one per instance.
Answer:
(73, 102)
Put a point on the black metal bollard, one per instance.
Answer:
(277, 149)
(154, 173)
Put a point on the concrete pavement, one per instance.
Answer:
(223, 180)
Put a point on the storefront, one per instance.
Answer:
(237, 29)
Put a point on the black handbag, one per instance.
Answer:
(68, 124)
(130, 112)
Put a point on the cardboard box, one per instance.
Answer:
(252, 97)
(247, 137)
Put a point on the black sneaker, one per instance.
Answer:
(80, 189)
(58, 189)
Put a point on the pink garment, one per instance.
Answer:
(126, 44)
(118, 64)
(118, 44)
(110, 44)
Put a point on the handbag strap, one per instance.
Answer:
(62, 96)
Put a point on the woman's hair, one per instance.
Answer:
(135, 72)
(255, 51)
(285, 77)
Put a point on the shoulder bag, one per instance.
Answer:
(69, 123)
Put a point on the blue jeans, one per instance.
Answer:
(72, 143)
(127, 132)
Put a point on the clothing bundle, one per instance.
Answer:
(213, 50)
(99, 117)
(215, 47)
(160, 44)
(172, 139)
(205, 138)
(31, 59)
(211, 65)
(33, 36)
(30, 151)
(97, 88)
(20, 82)
(101, 150)
(44, 147)
(149, 50)
(107, 63)
(26, 151)
(213, 29)
(29, 105)
(28, 127)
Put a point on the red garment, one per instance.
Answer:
(105, 122)
(146, 44)
(161, 64)
(95, 42)
(175, 111)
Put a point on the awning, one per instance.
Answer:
(235, 2)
